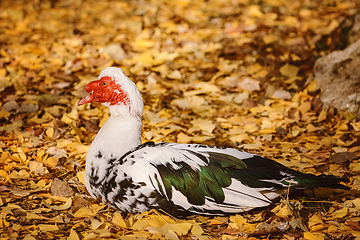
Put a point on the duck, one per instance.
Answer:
(180, 179)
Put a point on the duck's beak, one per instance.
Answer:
(91, 97)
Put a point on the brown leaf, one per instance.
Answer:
(78, 203)
(354, 225)
(343, 157)
(61, 188)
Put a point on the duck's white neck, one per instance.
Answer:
(116, 137)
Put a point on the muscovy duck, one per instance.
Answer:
(177, 178)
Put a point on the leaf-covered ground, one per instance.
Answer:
(227, 73)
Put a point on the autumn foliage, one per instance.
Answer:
(227, 73)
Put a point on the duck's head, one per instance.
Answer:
(115, 91)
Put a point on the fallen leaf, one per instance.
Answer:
(289, 70)
(84, 212)
(119, 221)
(48, 227)
(73, 235)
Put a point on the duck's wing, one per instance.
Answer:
(203, 179)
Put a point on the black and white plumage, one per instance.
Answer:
(177, 178)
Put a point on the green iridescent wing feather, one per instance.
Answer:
(195, 184)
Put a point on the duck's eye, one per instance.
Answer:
(104, 84)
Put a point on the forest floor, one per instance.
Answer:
(228, 73)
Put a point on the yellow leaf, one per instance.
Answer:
(181, 228)
(52, 162)
(96, 207)
(41, 183)
(140, 224)
(142, 44)
(356, 203)
(104, 233)
(312, 87)
(339, 149)
(2, 72)
(289, 70)
(37, 120)
(295, 57)
(251, 146)
(356, 168)
(266, 123)
(171, 235)
(260, 74)
(312, 146)
(73, 235)
(322, 116)
(316, 222)
(145, 58)
(240, 138)
(311, 128)
(163, 69)
(202, 87)
(63, 207)
(188, 102)
(229, 237)
(95, 224)
(62, 143)
(238, 220)
(332, 228)
(157, 221)
(20, 192)
(341, 213)
(90, 236)
(304, 107)
(37, 167)
(215, 222)
(183, 138)
(275, 116)
(65, 118)
(41, 155)
(9, 166)
(29, 237)
(254, 11)
(166, 56)
(313, 236)
(251, 128)
(175, 75)
(270, 38)
(50, 132)
(254, 68)
(291, 21)
(204, 125)
(119, 221)
(343, 127)
(284, 212)
(21, 174)
(81, 176)
(34, 216)
(47, 227)
(92, 112)
(4, 114)
(196, 229)
(84, 212)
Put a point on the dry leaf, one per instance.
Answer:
(73, 235)
(289, 70)
(119, 221)
(249, 84)
(84, 212)
(204, 125)
(47, 227)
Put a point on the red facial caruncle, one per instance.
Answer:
(105, 90)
